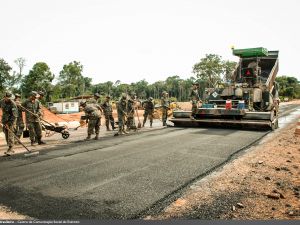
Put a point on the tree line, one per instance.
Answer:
(70, 82)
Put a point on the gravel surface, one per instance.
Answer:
(262, 184)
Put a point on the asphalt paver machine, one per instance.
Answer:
(250, 100)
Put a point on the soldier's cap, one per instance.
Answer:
(197, 84)
(33, 94)
(41, 93)
(124, 95)
(8, 94)
(150, 98)
(97, 95)
(82, 104)
(17, 95)
(107, 96)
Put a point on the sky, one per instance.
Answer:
(131, 40)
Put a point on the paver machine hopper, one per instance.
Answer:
(250, 100)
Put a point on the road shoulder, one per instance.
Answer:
(264, 183)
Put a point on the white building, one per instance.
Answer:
(64, 107)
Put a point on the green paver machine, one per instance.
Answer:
(250, 100)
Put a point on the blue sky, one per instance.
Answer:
(135, 39)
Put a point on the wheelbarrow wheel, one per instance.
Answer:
(65, 135)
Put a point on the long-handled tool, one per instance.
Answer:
(27, 110)
(30, 153)
(59, 129)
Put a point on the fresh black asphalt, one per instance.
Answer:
(115, 177)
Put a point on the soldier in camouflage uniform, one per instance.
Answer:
(122, 114)
(195, 98)
(41, 96)
(107, 109)
(93, 116)
(20, 123)
(9, 119)
(165, 104)
(33, 113)
(149, 109)
(95, 101)
(130, 112)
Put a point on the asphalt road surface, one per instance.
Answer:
(116, 177)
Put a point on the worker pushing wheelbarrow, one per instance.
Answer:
(50, 127)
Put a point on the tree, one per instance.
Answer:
(228, 69)
(72, 81)
(141, 88)
(39, 79)
(21, 63)
(5, 77)
(288, 86)
(209, 69)
(212, 70)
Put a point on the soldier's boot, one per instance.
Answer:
(120, 132)
(192, 116)
(9, 151)
(144, 123)
(125, 131)
(112, 125)
(151, 124)
(97, 137)
(107, 128)
(164, 124)
(32, 142)
(40, 142)
(88, 137)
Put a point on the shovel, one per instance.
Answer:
(30, 153)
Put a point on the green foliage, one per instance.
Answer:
(228, 69)
(288, 87)
(21, 63)
(72, 82)
(5, 77)
(39, 79)
(211, 70)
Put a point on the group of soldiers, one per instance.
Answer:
(12, 121)
(13, 124)
(126, 111)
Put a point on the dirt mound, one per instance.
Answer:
(184, 105)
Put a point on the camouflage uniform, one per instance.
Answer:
(95, 102)
(20, 123)
(130, 114)
(107, 109)
(121, 109)
(41, 95)
(165, 104)
(194, 96)
(149, 109)
(33, 122)
(9, 119)
(93, 116)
